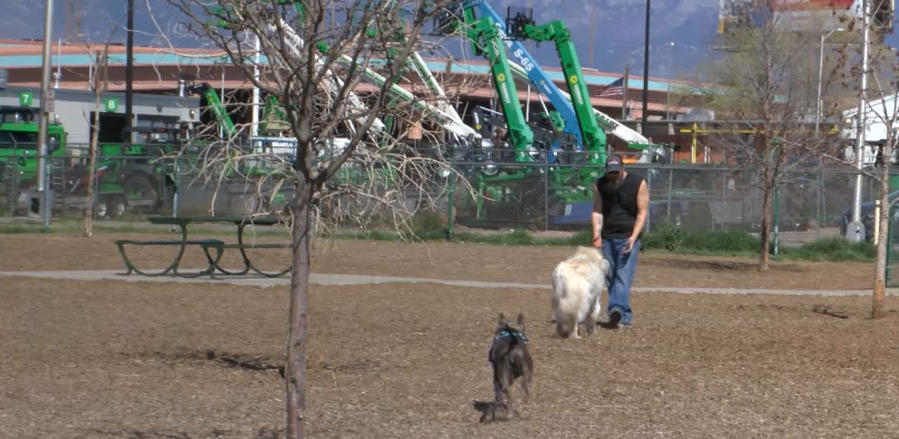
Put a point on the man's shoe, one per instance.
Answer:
(614, 318)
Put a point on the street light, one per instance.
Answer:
(43, 202)
(644, 113)
(820, 74)
(855, 230)
(58, 74)
(670, 45)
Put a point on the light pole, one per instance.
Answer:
(670, 45)
(855, 231)
(256, 98)
(129, 73)
(820, 76)
(43, 179)
(643, 113)
(58, 75)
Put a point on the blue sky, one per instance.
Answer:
(681, 30)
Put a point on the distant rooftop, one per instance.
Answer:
(25, 54)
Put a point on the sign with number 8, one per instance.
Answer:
(112, 104)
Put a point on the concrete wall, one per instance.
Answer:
(73, 108)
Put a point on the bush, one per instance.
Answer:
(833, 249)
(429, 225)
(730, 240)
(582, 238)
(667, 236)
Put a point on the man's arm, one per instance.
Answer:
(642, 209)
(596, 217)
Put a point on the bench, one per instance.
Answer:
(220, 246)
(205, 244)
(246, 260)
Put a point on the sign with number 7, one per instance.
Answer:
(25, 98)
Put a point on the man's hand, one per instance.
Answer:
(630, 244)
(597, 242)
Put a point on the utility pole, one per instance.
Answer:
(254, 130)
(129, 72)
(624, 115)
(855, 231)
(592, 32)
(670, 45)
(643, 113)
(43, 159)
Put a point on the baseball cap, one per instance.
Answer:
(613, 163)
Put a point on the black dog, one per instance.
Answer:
(510, 359)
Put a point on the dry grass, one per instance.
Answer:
(439, 260)
(128, 360)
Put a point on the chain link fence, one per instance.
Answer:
(127, 186)
(811, 203)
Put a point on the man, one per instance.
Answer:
(620, 204)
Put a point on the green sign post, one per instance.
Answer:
(25, 98)
(111, 104)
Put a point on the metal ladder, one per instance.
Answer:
(58, 184)
(8, 177)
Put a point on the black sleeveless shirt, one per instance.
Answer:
(619, 208)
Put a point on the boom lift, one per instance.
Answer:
(443, 113)
(528, 68)
(484, 36)
(449, 121)
(218, 109)
(521, 26)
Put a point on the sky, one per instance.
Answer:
(681, 31)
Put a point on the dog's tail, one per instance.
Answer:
(559, 284)
(606, 266)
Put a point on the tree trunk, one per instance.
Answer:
(295, 371)
(883, 220)
(92, 169)
(765, 234)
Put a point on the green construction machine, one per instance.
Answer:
(124, 175)
(519, 192)
(19, 154)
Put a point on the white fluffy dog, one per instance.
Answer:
(578, 283)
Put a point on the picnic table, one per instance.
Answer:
(206, 245)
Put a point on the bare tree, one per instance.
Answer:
(764, 102)
(874, 116)
(315, 72)
(98, 85)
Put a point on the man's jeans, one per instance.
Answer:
(621, 275)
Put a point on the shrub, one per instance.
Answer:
(729, 240)
(664, 235)
(832, 249)
(429, 225)
(667, 236)
(582, 237)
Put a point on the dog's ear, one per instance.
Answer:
(520, 322)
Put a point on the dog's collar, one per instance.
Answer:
(511, 334)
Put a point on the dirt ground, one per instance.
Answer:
(118, 359)
(438, 260)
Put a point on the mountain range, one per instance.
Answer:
(681, 31)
